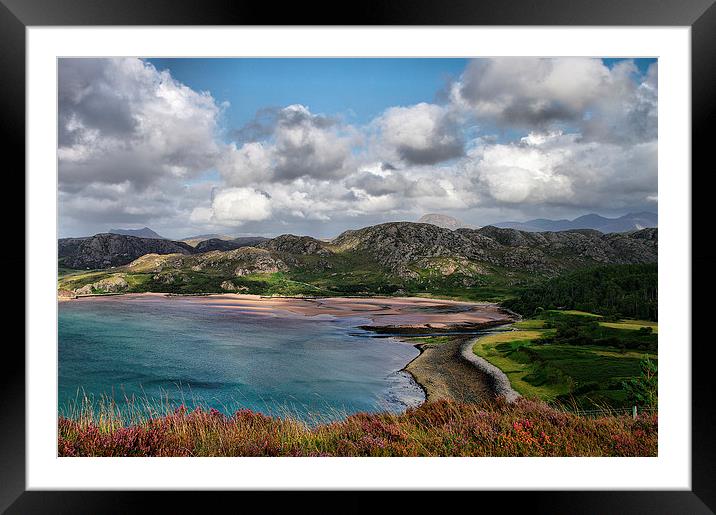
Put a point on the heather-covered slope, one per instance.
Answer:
(442, 428)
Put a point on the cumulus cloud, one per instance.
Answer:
(628, 112)
(234, 206)
(129, 137)
(251, 163)
(538, 93)
(530, 90)
(386, 182)
(565, 170)
(122, 120)
(423, 134)
(298, 144)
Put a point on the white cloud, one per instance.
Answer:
(421, 134)
(234, 206)
(536, 93)
(246, 165)
(563, 169)
(122, 120)
(298, 144)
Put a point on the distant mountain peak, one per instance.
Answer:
(625, 223)
(444, 221)
(144, 232)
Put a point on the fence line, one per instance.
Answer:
(633, 411)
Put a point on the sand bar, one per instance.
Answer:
(384, 314)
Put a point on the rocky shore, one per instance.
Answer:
(443, 374)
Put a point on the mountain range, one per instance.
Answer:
(385, 258)
(628, 222)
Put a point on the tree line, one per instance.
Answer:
(624, 291)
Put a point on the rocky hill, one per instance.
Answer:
(195, 240)
(106, 250)
(301, 245)
(144, 232)
(402, 247)
(222, 244)
(388, 258)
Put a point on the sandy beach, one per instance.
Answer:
(385, 314)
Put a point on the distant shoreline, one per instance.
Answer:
(385, 315)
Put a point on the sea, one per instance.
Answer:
(158, 353)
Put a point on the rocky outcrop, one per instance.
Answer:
(300, 245)
(257, 261)
(111, 284)
(145, 232)
(217, 244)
(229, 286)
(156, 263)
(238, 262)
(108, 250)
(397, 245)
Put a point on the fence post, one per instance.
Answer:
(634, 412)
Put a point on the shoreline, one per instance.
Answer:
(441, 371)
(383, 315)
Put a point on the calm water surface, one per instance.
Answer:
(316, 368)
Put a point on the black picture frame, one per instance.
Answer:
(700, 15)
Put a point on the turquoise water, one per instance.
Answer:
(180, 350)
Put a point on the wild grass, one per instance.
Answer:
(633, 325)
(529, 324)
(577, 313)
(432, 341)
(440, 428)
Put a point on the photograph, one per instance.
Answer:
(357, 256)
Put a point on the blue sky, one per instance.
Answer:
(317, 146)
(359, 89)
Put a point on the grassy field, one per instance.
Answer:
(432, 341)
(632, 325)
(571, 357)
(621, 324)
(442, 428)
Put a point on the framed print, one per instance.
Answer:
(419, 252)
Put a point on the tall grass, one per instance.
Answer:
(441, 428)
